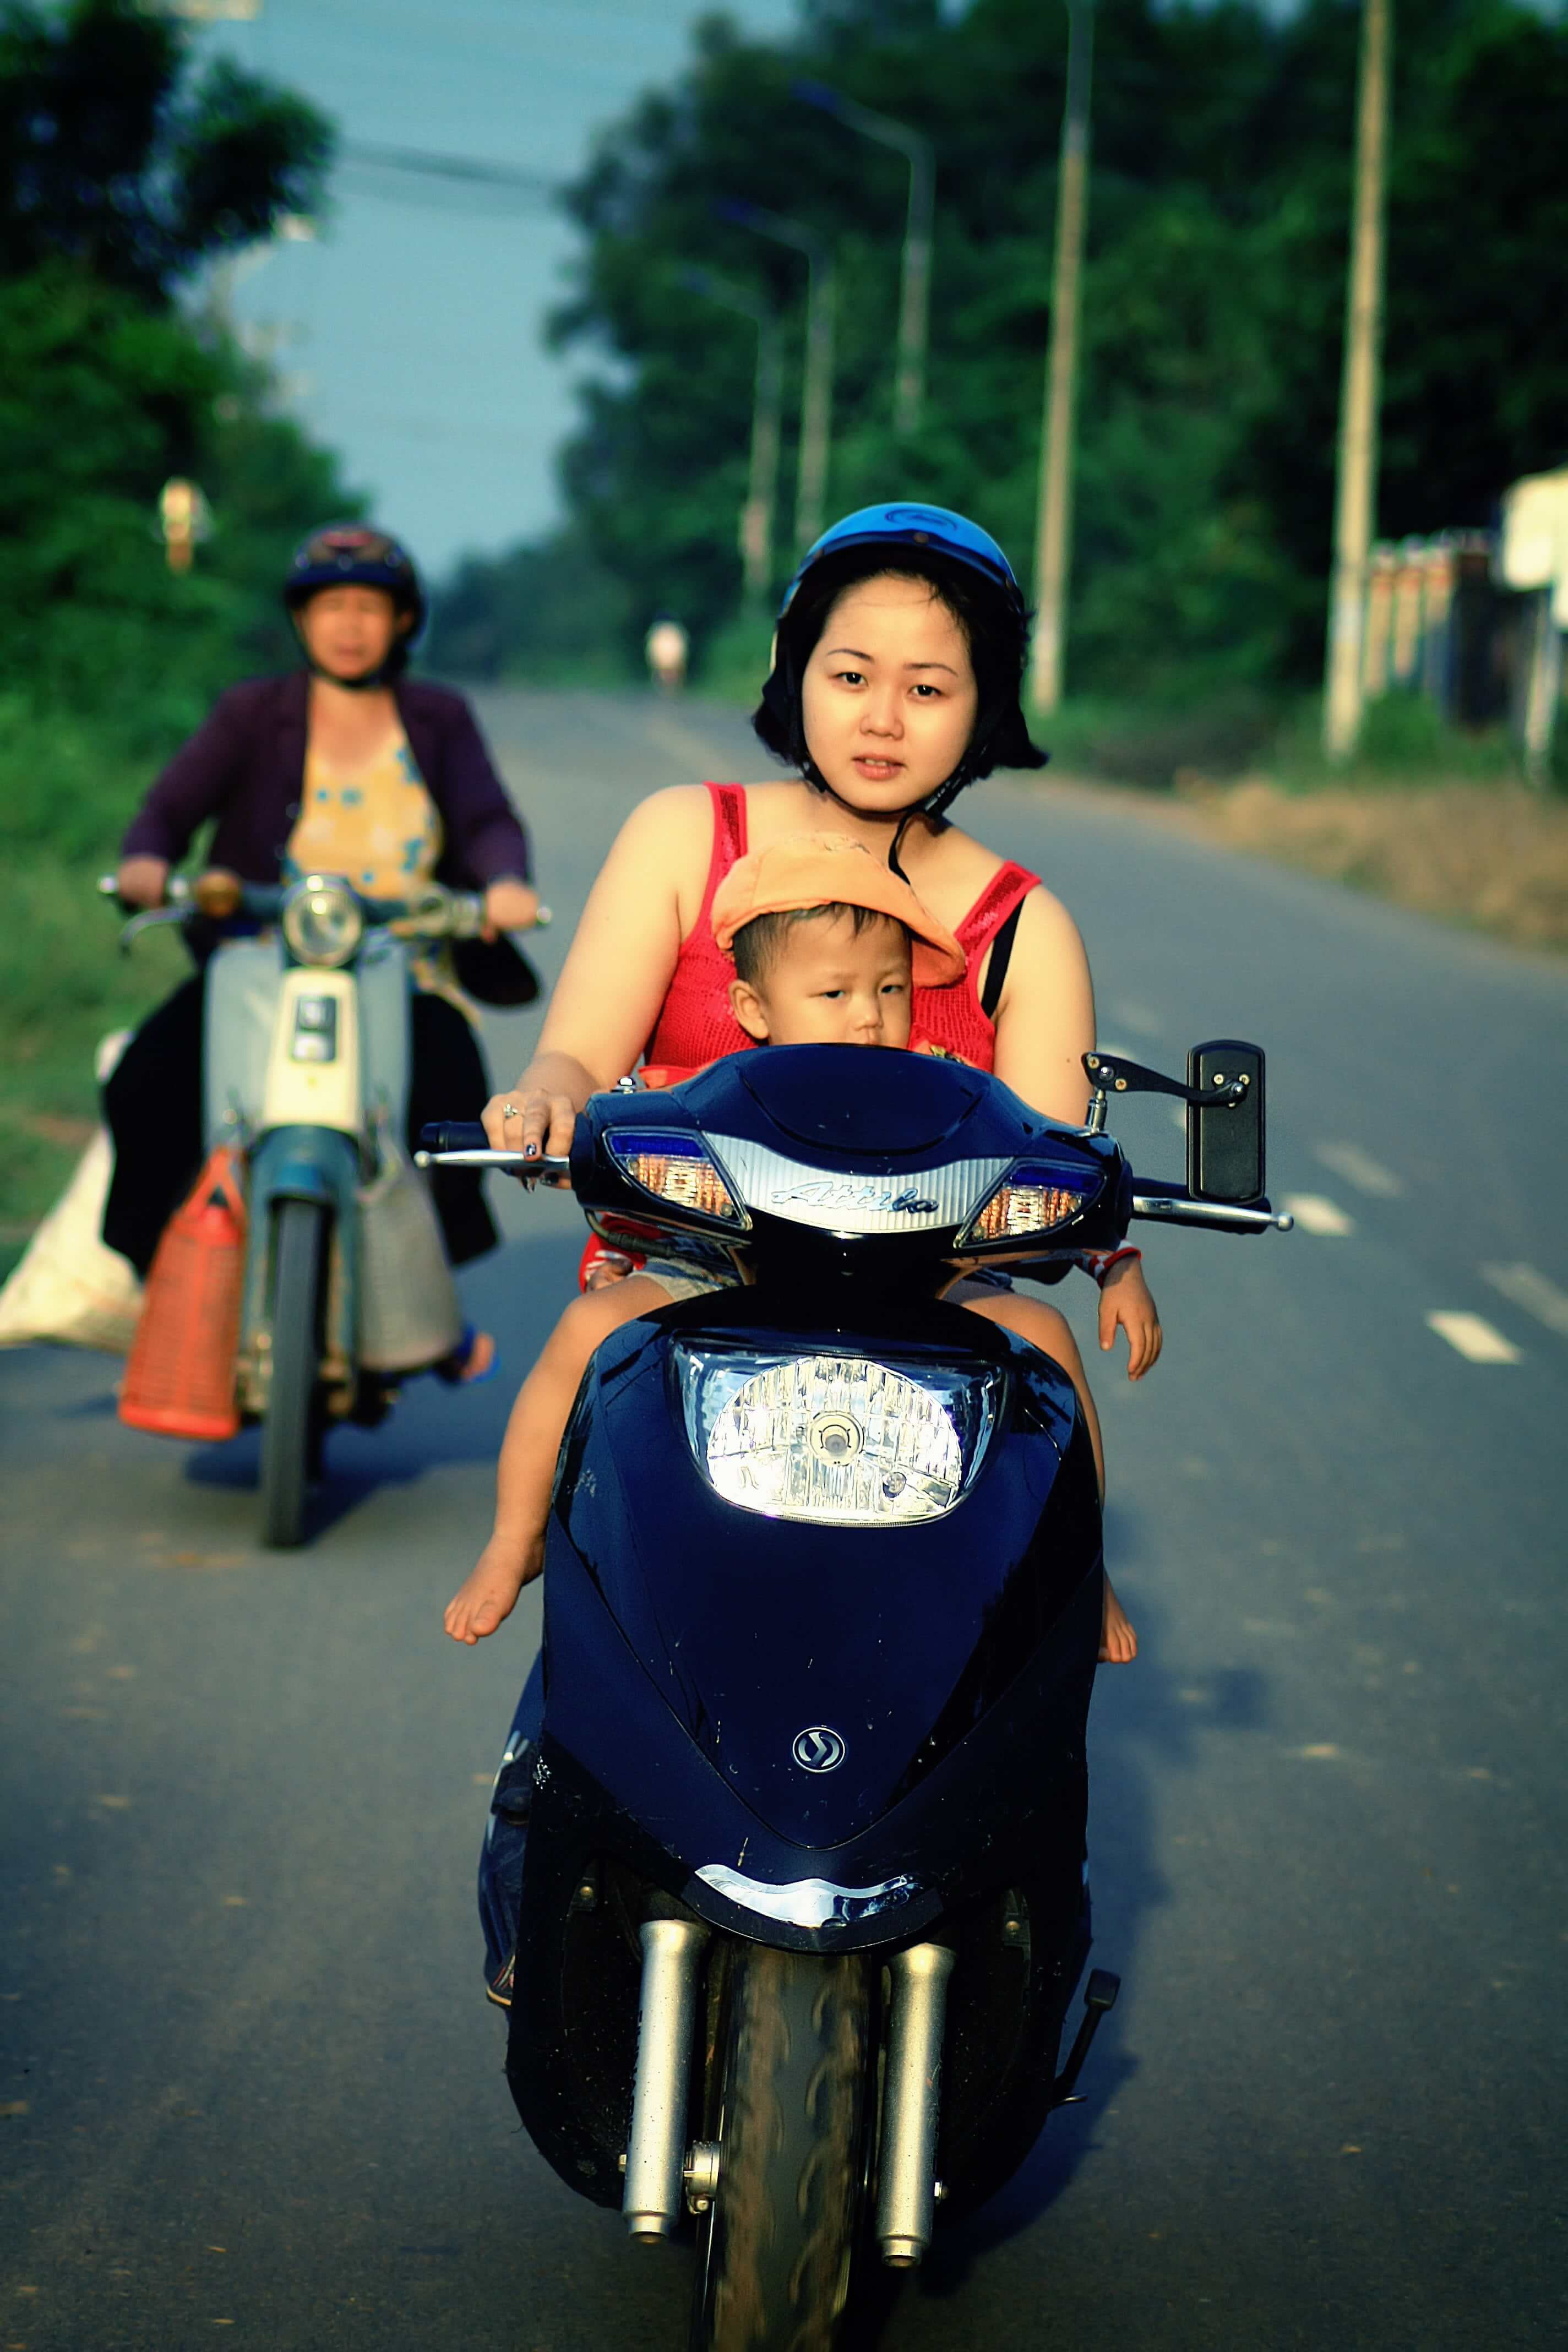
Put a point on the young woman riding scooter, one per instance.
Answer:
(344, 766)
(897, 674)
(826, 947)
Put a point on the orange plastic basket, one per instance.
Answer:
(179, 1378)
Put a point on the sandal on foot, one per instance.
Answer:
(475, 1360)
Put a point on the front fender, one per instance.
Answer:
(301, 1163)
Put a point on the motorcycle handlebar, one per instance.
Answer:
(444, 1135)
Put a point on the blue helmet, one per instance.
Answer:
(966, 567)
(936, 527)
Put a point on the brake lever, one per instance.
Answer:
(150, 921)
(529, 1167)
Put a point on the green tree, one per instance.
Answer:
(548, 613)
(1213, 301)
(122, 174)
(115, 158)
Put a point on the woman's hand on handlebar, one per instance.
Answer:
(142, 881)
(532, 1121)
(509, 906)
(540, 1113)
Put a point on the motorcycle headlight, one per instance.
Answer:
(1034, 1197)
(676, 1168)
(323, 922)
(847, 1441)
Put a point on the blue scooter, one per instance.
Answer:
(803, 1897)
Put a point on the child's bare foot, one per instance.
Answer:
(489, 1597)
(1118, 1642)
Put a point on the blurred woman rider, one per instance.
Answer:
(345, 766)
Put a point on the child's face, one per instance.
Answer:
(829, 985)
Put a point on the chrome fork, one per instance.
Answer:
(656, 2153)
(911, 2101)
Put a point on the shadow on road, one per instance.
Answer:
(1146, 1721)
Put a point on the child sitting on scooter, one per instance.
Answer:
(828, 946)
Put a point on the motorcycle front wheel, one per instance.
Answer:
(774, 2251)
(286, 1432)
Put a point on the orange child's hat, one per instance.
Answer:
(832, 869)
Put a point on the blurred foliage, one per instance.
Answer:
(1213, 310)
(553, 613)
(121, 173)
(101, 399)
(117, 159)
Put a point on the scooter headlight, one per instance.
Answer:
(323, 922)
(847, 1441)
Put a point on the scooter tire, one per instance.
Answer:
(287, 1427)
(776, 2249)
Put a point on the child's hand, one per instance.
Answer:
(1126, 1299)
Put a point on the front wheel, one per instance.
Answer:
(774, 2251)
(286, 1432)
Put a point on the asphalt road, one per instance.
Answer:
(250, 2092)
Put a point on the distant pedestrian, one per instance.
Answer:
(667, 645)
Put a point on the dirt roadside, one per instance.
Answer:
(1493, 859)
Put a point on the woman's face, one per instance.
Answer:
(349, 632)
(889, 701)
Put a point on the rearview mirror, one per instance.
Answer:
(1225, 1141)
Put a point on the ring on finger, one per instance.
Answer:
(510, 1110)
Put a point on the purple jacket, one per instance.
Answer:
(246, 766)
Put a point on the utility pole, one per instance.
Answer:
(914, 301)
(1053, 536)
(1356, 490)
(817, 389)
(762, 487)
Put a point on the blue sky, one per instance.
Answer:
(409, 334)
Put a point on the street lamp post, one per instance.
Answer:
(914, 304)
(1355, 496)
(1053, 539)
(762, 487)
(817, 390)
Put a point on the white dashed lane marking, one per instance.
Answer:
(1536, 1293)
(1360, 1168)
(1477, 1339)
(1316, 1214)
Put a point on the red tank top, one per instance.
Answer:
(696, 1026)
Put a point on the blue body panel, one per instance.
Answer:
(689, 1642)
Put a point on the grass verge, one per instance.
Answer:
(67, 791)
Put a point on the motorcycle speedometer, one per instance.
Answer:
(322, 922)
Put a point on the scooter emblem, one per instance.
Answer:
(818, 1750)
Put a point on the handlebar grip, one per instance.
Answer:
(454, 1135)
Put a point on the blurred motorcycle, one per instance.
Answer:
(346, 1288)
